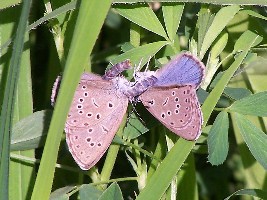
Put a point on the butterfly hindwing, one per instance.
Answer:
(185, 69)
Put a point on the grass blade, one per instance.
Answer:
(91, 12)
(7, 111)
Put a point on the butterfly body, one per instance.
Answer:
(116, 69)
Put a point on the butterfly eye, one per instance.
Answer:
(81, 100)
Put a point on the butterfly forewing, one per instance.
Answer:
(94, 117)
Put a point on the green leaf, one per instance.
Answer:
(255, 138)
(219, 45)
(172, 13)
(222, 18)
(205, 18)
(215, 94)
(236, 93)
(165, 172)
(218, 145)
(89, 192)
(112, 192)
(140, 55)
(244, 39)
(61, 193)
(9, 3)
(134, 128)
(253, 14)
(90, 12)
(250, 192)
(30, 132)
(8, 105)
(255, 104)
(143, 16)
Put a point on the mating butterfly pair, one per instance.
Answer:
(100, 103)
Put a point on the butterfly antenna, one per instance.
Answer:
(138, 67)
(147, 65)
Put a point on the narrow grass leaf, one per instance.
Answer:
(250, 192)
(91, 12)
(205, 18)
(63, 9)
(162, 177)
(142, 15)
(255, 104)
(112, 192)
(255, 138)
(21, 174)
(172, 13)
(9, 3)
(30, 132)
(221, 19)
(7, 110)
(218, 144)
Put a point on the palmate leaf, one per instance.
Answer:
(143, 16)
(255, 138)
(255, 104)
(218, 139)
